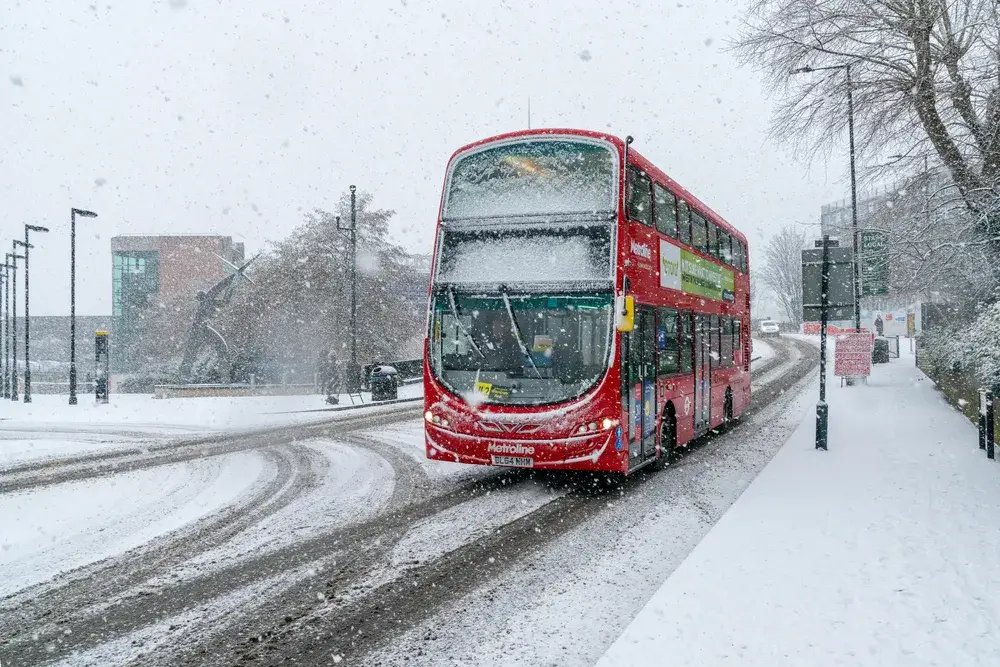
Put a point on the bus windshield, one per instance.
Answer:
(533, 177)
(478, 346)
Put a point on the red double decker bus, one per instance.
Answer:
(585, 311)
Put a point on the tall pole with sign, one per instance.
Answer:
(822, 409)
(102, 366)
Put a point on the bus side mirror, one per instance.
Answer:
(625, 313)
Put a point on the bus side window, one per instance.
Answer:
(727, 342)
(666, 210)
(713, 240)
(668, 361)
(699, 233)
(746, 259)
(738, 255)
(640, 198)
(686, 344)
(713, 335)
(684, 221)
(725, 247)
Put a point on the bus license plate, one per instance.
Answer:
(513, 461)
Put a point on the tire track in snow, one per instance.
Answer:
(340, 623)
(293, 471)
(56, 471)
(297, 616)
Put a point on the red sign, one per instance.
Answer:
(853, 355)
(832, 329)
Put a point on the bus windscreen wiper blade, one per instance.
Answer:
(517, 331)
(461, 327)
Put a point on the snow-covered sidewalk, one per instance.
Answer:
(881, 551)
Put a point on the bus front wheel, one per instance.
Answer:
(668, 439)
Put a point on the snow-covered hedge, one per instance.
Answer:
(973, 348)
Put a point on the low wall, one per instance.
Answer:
(203, 390)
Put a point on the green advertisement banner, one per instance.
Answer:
(683, 270)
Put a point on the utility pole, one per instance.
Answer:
(72, 297)
(13, 350)
(822, 409)
(27, 312)
(4, 277)
(854, 183)
(7, 277)
(854, 203)
(353, 380)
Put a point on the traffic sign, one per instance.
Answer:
(840, 299)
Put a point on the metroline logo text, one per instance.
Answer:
(510, 449)
(642, 250)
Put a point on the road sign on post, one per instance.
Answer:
(874, 262)
(840, 292)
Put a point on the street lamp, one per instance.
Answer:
(13, 349)
(9, 267)
(854, 184)
(72, 297)
(4, 347)
(27, 312)
(353, 371)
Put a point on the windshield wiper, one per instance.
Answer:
(517, 330)
(454, 313)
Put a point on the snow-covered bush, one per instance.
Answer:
(980, 346)
(972, 349)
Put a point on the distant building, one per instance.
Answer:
(160, 271)
(835, 218)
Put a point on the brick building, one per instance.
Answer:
(152, 274)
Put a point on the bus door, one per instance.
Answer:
(702, 374)
(641, 387)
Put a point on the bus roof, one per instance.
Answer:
(634, 158)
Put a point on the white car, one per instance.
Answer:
(769, 328)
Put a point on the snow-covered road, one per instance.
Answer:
(50, 428)
(347, 525)
(58, 528)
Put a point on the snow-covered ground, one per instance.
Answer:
(877, 552)
(49, 427)
(761, 350)
(57, 528)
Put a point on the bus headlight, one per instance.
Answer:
(593, 427)
(437, 420)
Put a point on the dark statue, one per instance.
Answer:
(206, 354)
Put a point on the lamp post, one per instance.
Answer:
(13, 332)
(72, 297)
(4, 348)
(353, 371)
(6, 358)
(27, 312)
(854, 186)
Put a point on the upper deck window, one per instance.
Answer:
(533, 177)
(640, 198)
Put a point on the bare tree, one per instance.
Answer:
(924, 77)
(781, 273)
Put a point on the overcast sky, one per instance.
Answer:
(216, 116)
